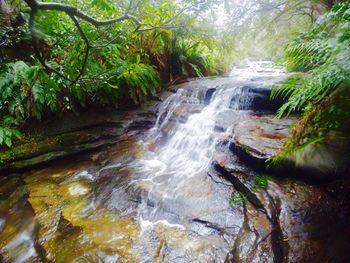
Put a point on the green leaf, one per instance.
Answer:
(16, 133)
(113, 86)
(2, 135)
(8, 141)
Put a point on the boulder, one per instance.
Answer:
(259, 138)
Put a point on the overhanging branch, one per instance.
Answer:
(87, 49)
(74, 13)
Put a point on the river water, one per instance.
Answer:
(151, 198)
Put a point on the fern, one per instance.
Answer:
(322, 93)
(22, 96)
(7, 132)
(140, 79)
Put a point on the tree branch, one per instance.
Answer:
(74, 13)
(36, 50)
(87, 49)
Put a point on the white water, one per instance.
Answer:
(187, 153)
(169, 176)
(257, 69)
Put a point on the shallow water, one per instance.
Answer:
(145, 199)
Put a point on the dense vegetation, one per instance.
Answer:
(53, 62)
(321, 92)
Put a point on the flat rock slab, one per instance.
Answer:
(41, 150)
(257, 139)
(72, 135)
(261, 137)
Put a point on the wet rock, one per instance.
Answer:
(209, 95)
(165, 94)
(185, 110)
(141, 124)
(42, 150)
(298, 222)
(168, 127)
(227, 119)
(257, 98)
(258, 138)
(76, 134)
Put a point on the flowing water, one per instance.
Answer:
(146, 199)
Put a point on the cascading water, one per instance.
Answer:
(185, 155)
(161, 203)
(190, 145)
(169, 172)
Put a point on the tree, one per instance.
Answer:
(74, 13)
(76, 60)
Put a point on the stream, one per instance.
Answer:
(158, 196)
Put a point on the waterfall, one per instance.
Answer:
(186, 149)
(152, 189)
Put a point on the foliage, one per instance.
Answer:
(186, 58)
(322, 92)
(260, 183)
(307, 51)
(141, 79)
(7, 133)
(123, 67)
(237, 199)
(16, 90)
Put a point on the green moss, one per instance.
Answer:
(40, 148)
(260, 183)
(237, 199)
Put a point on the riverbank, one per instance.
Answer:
(176, 186)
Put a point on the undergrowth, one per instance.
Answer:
(321, 91)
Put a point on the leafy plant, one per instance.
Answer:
(260, 183)
(322, 92)
(7, 134)
(15, 91)
(237, 199)
(141, 79)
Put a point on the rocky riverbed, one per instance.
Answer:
(185, 179)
